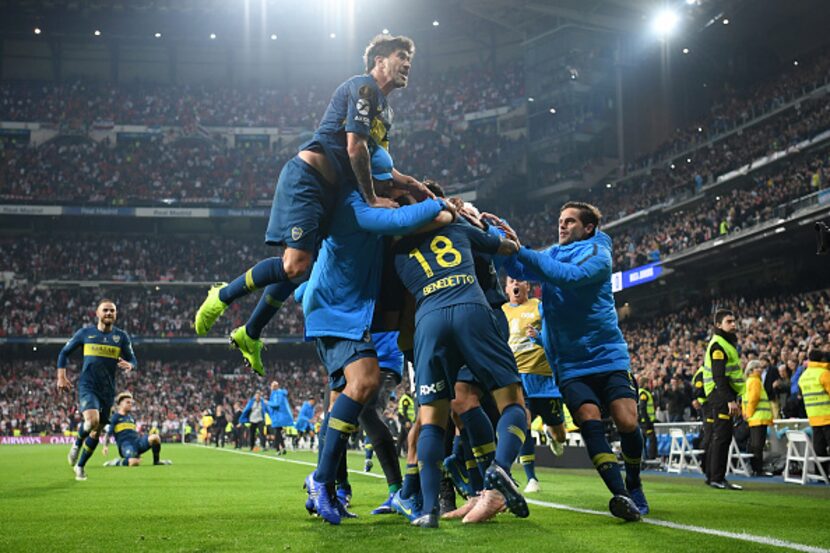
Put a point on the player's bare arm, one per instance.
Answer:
(411, 185)
(360, 160)
(64, 384)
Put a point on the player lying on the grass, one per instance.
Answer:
(454, 326)
(336, 160)
(338, 305)
(130, 443)
(107, 348)
(587, 347)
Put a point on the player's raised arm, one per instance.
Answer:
(64, 384)
(404, 220)
(411, 185)
(595, 267)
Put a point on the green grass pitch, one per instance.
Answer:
(220, 501)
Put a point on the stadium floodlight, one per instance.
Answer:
(795, 63)
(157, 35)
(552, 110)
(273, 37)
(664, 22)
(685, 50)
(385, 31)
(212, 36)
(725, 21)
(37, 30)
(332, 35)
(531, 99)
(700, 129)
(435, 23)
(96, 32)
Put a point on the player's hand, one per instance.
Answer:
(734, 410)
(416, 188)
(124, 365)
(695, 404)
(531, 332)
(105, 450)
(64, 384)
(380, 201)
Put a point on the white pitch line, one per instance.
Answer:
(763, 540)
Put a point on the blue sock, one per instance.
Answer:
(479, 430)
(82, 434)
(268, 271)
(124, 463)
(476, 481)
(593, 434)
(632, 451)
(527, 457)
(321, 438)
(457, 448)
(342, 478)
(267, 306)
(430, 455)
(368, 451)
(511, 434)
(87, 450)
(411, 481)
(342, 422)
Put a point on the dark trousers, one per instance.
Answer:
(650, 438)
(279, 441)
(718, 452)
(757, 439)
(821, 443)
(706, 439)
(238, 436)
(258, 428)
(219, 437)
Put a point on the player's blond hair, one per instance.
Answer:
(122, 396)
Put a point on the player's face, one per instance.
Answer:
(106, 313)
(127, 404)
(728, 324)
(571, 228)
(516, 290)
(396, 67)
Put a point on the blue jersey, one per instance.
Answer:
(488, 276)
(101, 353)
(438, 267)
(123, 428)
(339, 299)
(357, 106)
(306, 411)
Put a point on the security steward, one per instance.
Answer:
(699, 403)
(757, 411)
(645, 409)
(723, 383)
(815, 389)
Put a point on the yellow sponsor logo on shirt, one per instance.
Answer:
(101, 350)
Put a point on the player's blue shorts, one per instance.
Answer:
(465, 374)
(450, 337)
(549, 408)
(302, 207)
(336, 353)
(132, 449)
(537, 385)
(303, 425)
(90, 397)
(600, 389)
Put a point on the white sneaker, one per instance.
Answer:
(80, 473)
(533, 486)
(73, 455)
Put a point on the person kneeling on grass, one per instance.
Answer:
(130, 443)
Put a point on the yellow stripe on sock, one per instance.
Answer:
(342, 426)
(516, 431)
(602, 458)
(721, 416)
(412, 470)
(249, 280)
(271, 301)
(525, 459)
(632, 460)
(483, 450)
(471, 464)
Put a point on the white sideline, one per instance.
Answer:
(751, 538)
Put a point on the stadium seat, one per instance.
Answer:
(800, 450)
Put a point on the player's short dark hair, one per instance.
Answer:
(435, 188)
(122, 396)
(384, 46)
(589, 214)
(721, 314)
(104, 300)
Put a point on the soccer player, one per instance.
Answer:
(338, 304)
(543, 398)
(130, 443)
(334, 161)
(280, 413)
(106, 349)
(454, 326)
(587, 347)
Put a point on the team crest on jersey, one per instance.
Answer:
(364, 91)
(296, 233)
(116, 339)
(363, 107)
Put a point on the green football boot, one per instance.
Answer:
(210, 310)
(251, 349)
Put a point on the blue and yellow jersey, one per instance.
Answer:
(357, 106)
(123, 428)
(101, 353)
(438, 268)
(530, 355)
